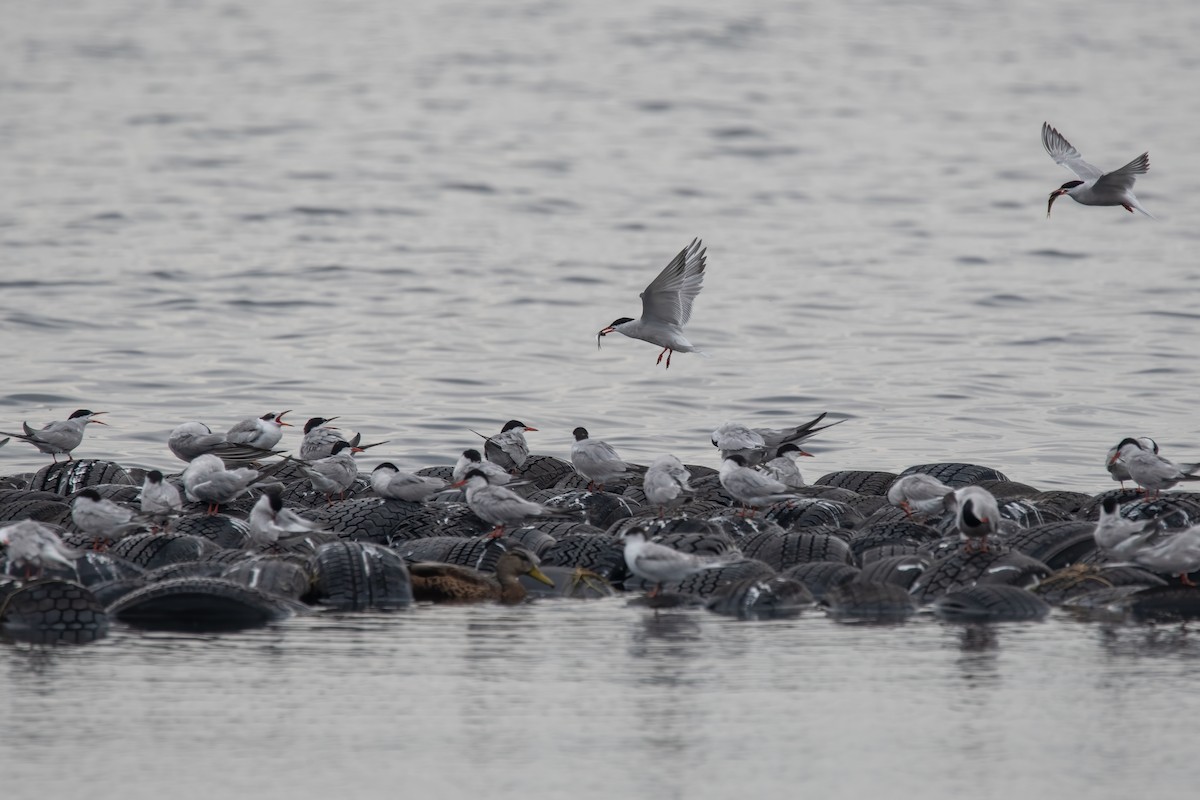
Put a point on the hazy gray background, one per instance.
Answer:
(417, 215)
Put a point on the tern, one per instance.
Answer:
(1116, 468)
(1094, 188)
(976, 515)
(262, 432)
(750, 487)
(194, 439)
(319, 439)
(1149, 470)
(269, 520)
(756, 445)
(101, 518)
(508, 448)
(207, 479)
(665, 482)
(500, 506)
(159, 499)
(660, 564)
(471, 459)
(918, 492)
(598, 461)
(61, 437)
(30, 544)
(1119, 537)
(392, 484)
(335, 473)
(783, 467)
(667, 305)
(1178, 554)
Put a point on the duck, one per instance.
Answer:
(450, 583)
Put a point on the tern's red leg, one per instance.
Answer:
(495, 533)
(907, 508)
(1185, 580)
(660, 355)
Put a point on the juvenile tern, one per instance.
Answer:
(1177, 554)
(666, 305)
(1116, 468)
(920, 493)
(598, 461)
(660, 564)
(750, 487)
(335, 473)
(159, 499)
(976, 515)
(194, 439)
(1149, 470)
(756, 445)
(665, 482)
(500, 506)
(30, 544)
(471, 459)
(101, 518)
(61, 437)
(262, 432)
(269, 521)
(392, 484)
(507, 448)
(1118, 537)
(1094, 187)
(783, 467)
(206, 479)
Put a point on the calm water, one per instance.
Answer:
(417, 216)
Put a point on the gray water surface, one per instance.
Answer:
(417, 215)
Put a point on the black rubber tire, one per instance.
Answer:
(811, 512)
(92, 568)
(1028, 514)
(275, 576)
(599, 553)
(1072, 582)
(435, 520)
(544, 472)
(1165, 604)
(600, 509)
(227, 533)
(886, 551)
(1009, 490)
(532, 538)
(961, 570)
(52, 612)
(200, 605)
(475, 552)
(901, 532)
(868, 602)
(702, 544)
(821, 576)
(368, 519)
(111, 591)
(706, 583)
(1176, 509)
(1070, 504)
(708, 489)
(52, 512)
(183, 569)
(787, 550)
(956, 475)
(152, 550)
(357, 576)
(739, 528)
(68, 477)
(901, 570)
(1056, 544)
(762, 598)
(990, 603)
(859, 481)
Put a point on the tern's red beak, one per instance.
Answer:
(92, 418)
(459, 485)
(279, 418)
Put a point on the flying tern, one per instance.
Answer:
(1094, 187)
(666, 305)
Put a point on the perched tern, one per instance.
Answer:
(159, 499)
(269, 521)
(191, 440)
(508, 448)
(667, 305)
(598, 461)
(30, 544)
(1094, 187)
(471, 459)
(756, 445)
(206, 479)
(660, 564)
(1118, 537)
(1177, 554)
(392, 484)
(665, 482)
(61, 437)
(976, 515)
(1149, 470)
(101, 518)
(262, 432)
(335, 473)
(319, 439)
(1116, 468)
(500, 506)
(750, 487)
(920, 493)
(783, 467)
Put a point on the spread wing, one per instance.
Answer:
(668, 298)
(1123, 178)
(1063, 153)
